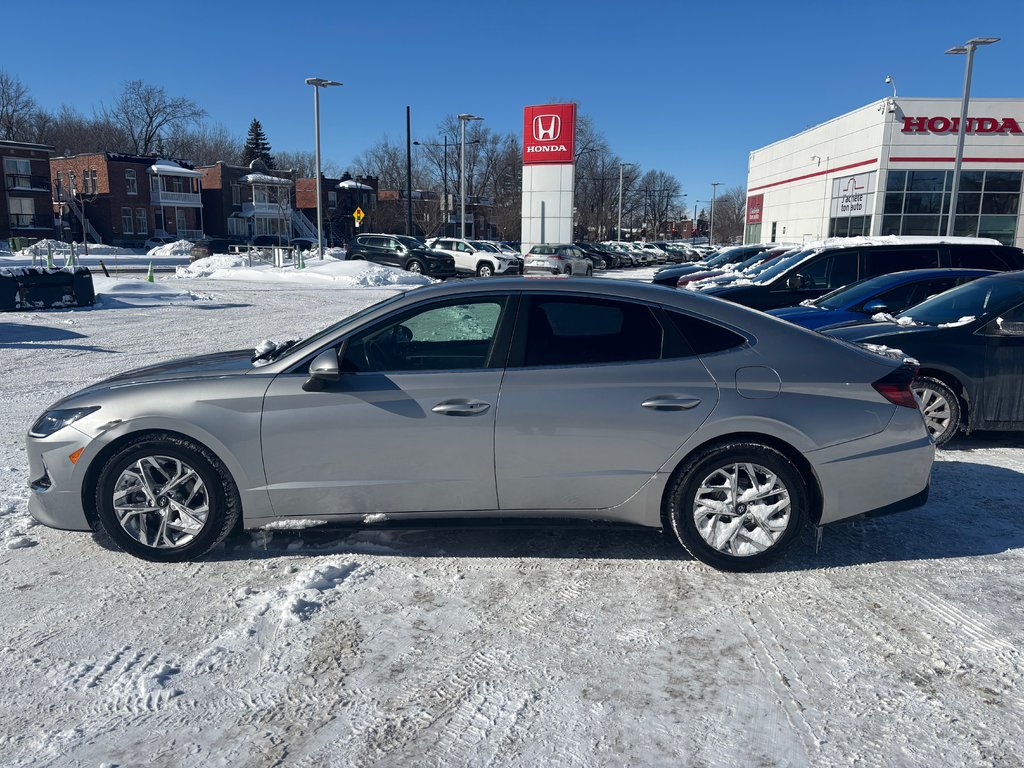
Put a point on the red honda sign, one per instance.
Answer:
(952, 125)
(549, 133)
(754, 205)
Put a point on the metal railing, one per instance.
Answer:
(25, 181)
(162, 197)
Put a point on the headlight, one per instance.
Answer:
(51, 421)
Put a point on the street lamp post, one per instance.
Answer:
(967, 48)
(711, 225)
(463, 119)
(619, 227)
(318, 83)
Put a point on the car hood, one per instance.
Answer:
(816, 317)
(202, 366)
(871, 331)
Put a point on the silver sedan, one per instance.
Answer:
(622, 402)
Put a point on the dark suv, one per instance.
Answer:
(403, 252)
(211, 245)
(821, 269)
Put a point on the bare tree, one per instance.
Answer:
(660, 191)
(204, 145)
(304, 164)
(144, 112)
(70, 132)
(17, 109)
(730, 212)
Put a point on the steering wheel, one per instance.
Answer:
(385, 352)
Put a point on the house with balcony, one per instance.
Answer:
(25, 210)
(126, 199)
(246, 202)
(340, 198)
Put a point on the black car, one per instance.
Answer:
(969, 342)
(825, 268)
(201, 249)
(601, 258)
(670, 275)
(403, 252)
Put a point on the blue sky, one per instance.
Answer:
(688, 88)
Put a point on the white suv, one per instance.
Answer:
(477, 257)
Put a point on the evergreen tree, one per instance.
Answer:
(256, 146)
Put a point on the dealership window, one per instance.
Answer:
(141, 221)
(851, 226)
(131, 182)
(753, 234)
(126, 220)
(987, 205)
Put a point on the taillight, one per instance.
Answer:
(683, 281)
(895, 386)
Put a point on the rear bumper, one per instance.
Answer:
(886, 472)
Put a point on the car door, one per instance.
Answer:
(409, 425)
(1003, 395)
(594, 402)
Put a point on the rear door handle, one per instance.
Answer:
(461, 408)
(671, 403)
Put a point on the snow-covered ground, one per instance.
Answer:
(898, 643)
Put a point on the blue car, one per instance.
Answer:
(857, 302)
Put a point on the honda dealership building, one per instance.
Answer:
(887, 168)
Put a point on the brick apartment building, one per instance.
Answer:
(340, 198)
(126, 199)
(25, 208)
(245, 202)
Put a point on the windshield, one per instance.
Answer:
(480, 245)
(410, 242)
(980, 297)
(781, 265)
(854, 293)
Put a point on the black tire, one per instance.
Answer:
(483, 269)
(414, 266)
(568, 271)
(590, 272)
(221, 495)
(682, 493)
(932, 394)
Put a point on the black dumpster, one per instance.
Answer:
(41, 288)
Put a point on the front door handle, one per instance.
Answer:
(671, 403)
(461, 407)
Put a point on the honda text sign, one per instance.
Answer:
(549, 132)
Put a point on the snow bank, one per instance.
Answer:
(355, 274)
(179, 248)
(139, 293)
(95, 249)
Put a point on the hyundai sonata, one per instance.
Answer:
(501, 398)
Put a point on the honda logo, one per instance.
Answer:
(547, 127)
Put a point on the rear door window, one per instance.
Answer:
(585, 331)
(832, 271)
(884, 261)
(979, 257)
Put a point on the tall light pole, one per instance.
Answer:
(967, 48)
(318, 83)
(463, 118)
(711, 225)
(619, 228)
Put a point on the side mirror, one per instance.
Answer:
(876, 306)
(324, 368)
(796, 282)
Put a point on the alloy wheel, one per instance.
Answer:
(742, 509)
(161, 502)
(936, 409)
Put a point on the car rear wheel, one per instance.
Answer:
(484, 270)
(414, 266)
(568, 271)
(940, 407)
(590, 272)
(737, 506)
(166, 499)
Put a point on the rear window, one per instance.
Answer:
(882, 261)
(705, 337)
(985, 257)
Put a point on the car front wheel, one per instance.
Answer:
(940, 407)
(737, 506)
(165, 498)
(414, 266)
(484, 270)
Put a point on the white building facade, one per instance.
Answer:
(887, 168)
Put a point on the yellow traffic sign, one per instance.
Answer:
(358, 214)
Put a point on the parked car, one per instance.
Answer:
(401, 251)
(270, 241)
(304, 243)
(627, 257)
(670, 275)
(609, 400)
(659, 256)
(557, 259)
(477, 257)
(969, 342)
(736, 271)
(831, 264)
(857, 302)
(612, 258)
(158, 240)
(210, 246)
(596, 258)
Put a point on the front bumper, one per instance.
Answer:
(55, 483)
(435, 269)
